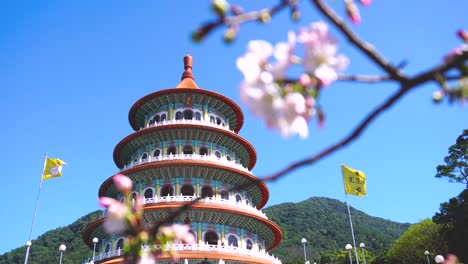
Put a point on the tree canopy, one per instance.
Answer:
(456, 162)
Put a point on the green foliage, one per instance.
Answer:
(453, 217)
(456, 163)
(44, 250)
(410, 247)
(324, 223)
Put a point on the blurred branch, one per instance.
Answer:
(366, 48)
(363, 78)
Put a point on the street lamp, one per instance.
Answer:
(62, 248)
(439, 259)
(303, 241)
(349, 247)
(95, 240)
(362, 246)
(427, 256)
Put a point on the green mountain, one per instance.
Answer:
(322, 221)
(44, 249)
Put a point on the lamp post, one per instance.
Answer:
(439, 259)
(362, 246)
(62, 248)
(349, 247)
(304, 241)
(95, 240)
(427, 256)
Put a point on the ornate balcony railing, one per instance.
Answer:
(265, 257)
(230, 163)
(188, 121)
(210, 200)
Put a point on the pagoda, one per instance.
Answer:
(186, 146)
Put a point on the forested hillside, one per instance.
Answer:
(322, 221)
(44, 249)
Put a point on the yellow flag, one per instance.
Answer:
(52, 168)
(354, 181)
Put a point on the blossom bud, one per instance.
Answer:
(353, 12)
(295, 14)
(265, 17)
(437, 96)
(365, 2)
(220, 7)
(230, 35)
(123, 183)
(463, 34)
(305, 80)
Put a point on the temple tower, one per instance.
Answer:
(186, 145)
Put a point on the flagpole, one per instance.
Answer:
(28, 244)
(352, 230)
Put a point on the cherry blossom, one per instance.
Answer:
(123, 183)
(116, 215)
(320, 58)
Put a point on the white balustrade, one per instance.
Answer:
(188, 121)
(210, 200)
(224, 161)
(201, 247)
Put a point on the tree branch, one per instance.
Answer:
(366, 48)
(363, 78)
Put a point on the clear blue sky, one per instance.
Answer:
(71, 70)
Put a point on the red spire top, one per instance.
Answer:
(187, 80)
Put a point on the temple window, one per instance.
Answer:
(232, 241)
(108, 247)
(249, 244)
(224, 195)
(238, 198)
(228, 158)
(156, 152)
(179, 115)
(211, 238)
(167, 190)
(156, 118)
(217, 154)
(207, 191)
(188, 114)
(148, 193)
(171, 150)
(197, 116)
(187, 150)
(218, 121)
(163, 117)
(187, 190)
(203, 151)
(144, 156)
(120, 244)
(212, 119)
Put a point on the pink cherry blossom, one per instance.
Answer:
(116, 215)
(320, 58)
(178, 232)
(366, 2)
(292, 121)
(123, 183)
(284, 55)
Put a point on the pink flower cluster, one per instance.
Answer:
(283, 104)
(127, 218)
